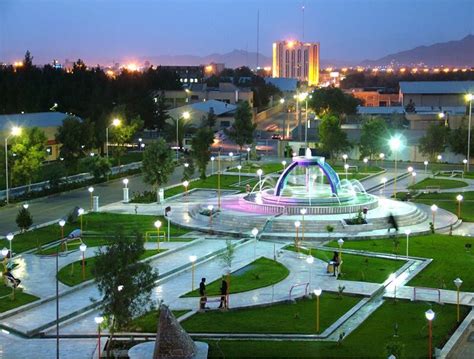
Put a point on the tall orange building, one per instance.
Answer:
(297, 60)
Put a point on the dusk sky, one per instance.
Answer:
(106, 30)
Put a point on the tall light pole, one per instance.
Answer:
(98, 321)
(457, 283)
(429, 314)
(157, 226)
(254, 234)
(231, 156)
(282, 101)
(395, 145)
(259, 174)
(344, 157)
(469, 98)
(10, 237)
(346, 168)
(340, 243)
(459, 198)
(464, 161)
(83, 248)
(186, 184)
(407, 232)
(212, 164)
(80, 212)
(115, 123)
(248, 154)
(444, 116)
(303, 212)
(186, 116)
(239, 167)
(317, 293)
(426, 166)
(283, 163)
(15, 131)
(126, 197)
(91, 191)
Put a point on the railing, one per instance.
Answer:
(427, 289)
(306, 285)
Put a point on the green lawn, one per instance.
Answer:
(360, 169)
(267, 167)
(99, 223)
(299, 317)
(370, 340)
(448, 202)
(450, 258)
(438, 182)
(6, 302)
(359, 267)
(148, 323)
(260, 273)
(71, 274)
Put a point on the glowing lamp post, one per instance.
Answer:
(192, 259)
(464, 161)
(457, 283)
(15, 131)
(317, 292)
(98, 321)
(210, 208)
(346, 168)
(429, 314)
(469, 97)
(212, 164)
(366, 161)
(426, 166)
(231, 156)
(115, 123)
(248, 154)
(126, 197)
(10, 237)
(80, 212)
(259, 174)
(239, 167)
(283, 163)
(459, 198)
(91, 191)
(340, 243)
(434, 208)
(344, 157)
(439, 158)
(381, 156)
(157, 226)
(186, 184)
(395, 145)
(297, 240)
(384, 181)
(413, 178)
(310, 261)
(408, 232)
(83, 248)
(62, 223)
(25, 205)
(254, 235)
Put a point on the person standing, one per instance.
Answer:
(224, 293)
(202, 293)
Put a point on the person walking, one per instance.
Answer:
(223, 304)
(202, 293)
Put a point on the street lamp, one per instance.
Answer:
(126, 197)
(15, 131)
(407, 232)
(91, 191)
(80, 212)
(317, 293)
(366, 161)
(464, 161)
(395, 145)
(192, 259)
(157, 226)
(439, 158)
(10, 237)
(210, 209)
(239, 167)
(429, 314)
(344, 157)
(469, 98)
(248, 154)
(283, 163)
(457, 283)
(303, 211)
(346, 168)
(384, 181)
(98, 321)
(382, 156)
(426, 166)
(413, 178)
(115, 123)
(212, 164)
(186, 184)
(259, 174)
(444, 116)
(83, 248)
(62, 223)
(231, 155)
(434, 208)
(25, 205)
(410, 169)
(459, 198)
(310, 261)
(340, 243)
(297, 226)
(254, 234)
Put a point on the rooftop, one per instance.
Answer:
(436, 87)
(219, 107)
(36, 119)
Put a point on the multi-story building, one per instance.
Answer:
(375, 97)
(297, 60)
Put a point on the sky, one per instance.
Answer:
(102, 31)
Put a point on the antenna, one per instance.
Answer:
(302, 10)
(258, 33)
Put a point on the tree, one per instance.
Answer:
(161, 113)
(243, 129)
(374, 138)
(201, 149)
(434, 141)
(188, 171)
(333, 100)
(76, 138)
(124, 282)
(457, 140)
(185, 127)
(210, 120)
(98, 166)
(123, 134)
(30, 152)
(157, 164)
(24, 219)
(332, 139)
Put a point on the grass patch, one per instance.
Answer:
(438, 182)
(370, 340)
(21, 298)
(148, 323)
(359, 267)
(258, 274)
(360, 169)
(99, 223)
(450, 258)
(299, 317)
(71, 274)
(267, 168)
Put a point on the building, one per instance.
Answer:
(187, 74)
(375, 97)
(296, 60)
(47, 121)
(436, 94)
(223, 111)
(226, 92)
(283, 84)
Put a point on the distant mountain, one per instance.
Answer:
(233, 59)
(451, 53)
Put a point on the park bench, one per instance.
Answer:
(432, 189)
(453, 173)
(207, 301)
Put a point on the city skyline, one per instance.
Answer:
(105, 31)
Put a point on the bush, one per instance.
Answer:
(144, 197)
